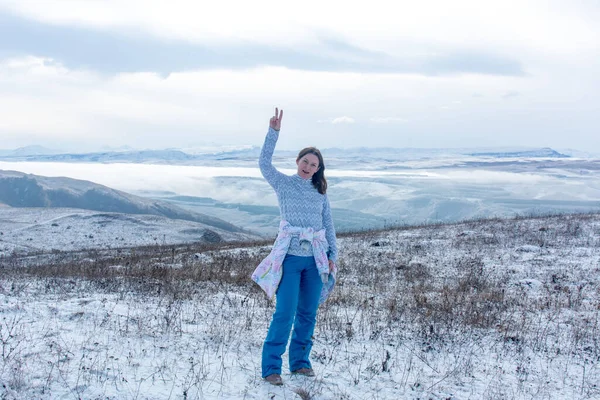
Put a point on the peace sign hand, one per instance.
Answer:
(275, 121)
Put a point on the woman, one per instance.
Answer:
(301, 268)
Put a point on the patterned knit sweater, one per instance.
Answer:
(300, 203)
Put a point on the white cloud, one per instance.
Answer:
(534, 25)
(387, 120)
(35, 67)
(186, 180)
(511, 93)
(44, 100)
(343, 120)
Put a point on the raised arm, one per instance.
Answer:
(332, 253)
(265, 162)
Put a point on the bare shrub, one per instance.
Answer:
(303, 393)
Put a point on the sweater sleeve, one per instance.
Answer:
(265, 162)
(332, 254)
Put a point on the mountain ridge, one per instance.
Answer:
(177, 156)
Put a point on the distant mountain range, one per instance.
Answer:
(546, 152)
(28, 151)
(422, 153)
(176, 156)
(18, 189)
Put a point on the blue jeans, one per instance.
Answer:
(297, 302)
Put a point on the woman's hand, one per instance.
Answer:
(275, 121)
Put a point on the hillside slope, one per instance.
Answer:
(18, 189)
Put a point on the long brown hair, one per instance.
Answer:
(318, 179)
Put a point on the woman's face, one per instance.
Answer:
(308, 164)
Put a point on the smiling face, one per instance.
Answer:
(308, 165)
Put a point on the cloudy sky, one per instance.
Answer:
(82, 74)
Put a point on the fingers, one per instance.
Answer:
(276, 120)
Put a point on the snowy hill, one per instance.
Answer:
(42, 230)
(26, 190)
(490, 309)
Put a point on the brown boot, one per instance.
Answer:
(274, 379)
(305, 372)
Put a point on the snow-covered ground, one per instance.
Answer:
(500, 309)
(31, 230)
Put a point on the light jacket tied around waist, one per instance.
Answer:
(269, 272)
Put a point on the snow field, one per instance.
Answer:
(496, 309)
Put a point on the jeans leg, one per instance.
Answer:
(283, 317)
(306, 316)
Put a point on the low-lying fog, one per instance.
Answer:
(363, 193)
